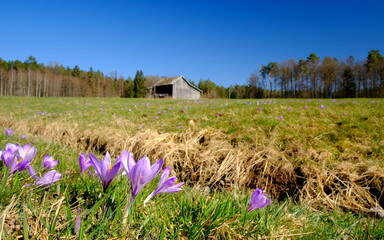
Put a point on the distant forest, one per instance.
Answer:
(309, 78)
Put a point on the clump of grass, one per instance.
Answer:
(191, 214)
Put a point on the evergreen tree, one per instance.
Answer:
(313, 73)
(139, 85)
(349, 84)
(375, 69)
(76, 71)
(31, 63)
(130, 93)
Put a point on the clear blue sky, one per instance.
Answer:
(223, 40)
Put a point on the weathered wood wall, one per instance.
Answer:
(182, 90)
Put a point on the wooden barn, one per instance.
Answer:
(174, 87)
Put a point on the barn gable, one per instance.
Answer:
(175, 87)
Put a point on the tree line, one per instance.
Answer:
(33, 79)
(309, 78)
(326, 78)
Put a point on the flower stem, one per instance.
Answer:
(148, 198)
(127, 210)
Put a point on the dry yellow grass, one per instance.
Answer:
(209, 158)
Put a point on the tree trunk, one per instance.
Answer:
(45, 84)
(29, 83)
(1, 82)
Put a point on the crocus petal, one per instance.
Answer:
(32, 172)
(105, 164)
(164, 175)
(125, 158)
(84, 162)
(18, 166)
(9, 153)
(131, 163)
(156, 168)
(107, 179)
(49, 178)
(12, 147)
(136, 168)
(139, 171)
(96, 164)
(8, 157)
(166, 184)
(172, 189)
(115, 169)
(27, 152)
(138, 175)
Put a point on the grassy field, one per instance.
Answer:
(321, 161)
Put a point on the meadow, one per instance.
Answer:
(320, 161)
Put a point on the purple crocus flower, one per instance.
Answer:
(16, 158)
(78, 221)
(9, 132)
(104, 169)
(27, 152)
(9, 154)
(281, 117)
(322, 107)
(84, 162)
(47, 180)
(258, 200)
(165, 184)
(49, 162)
(140, 173)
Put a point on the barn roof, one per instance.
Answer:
(172, 80)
